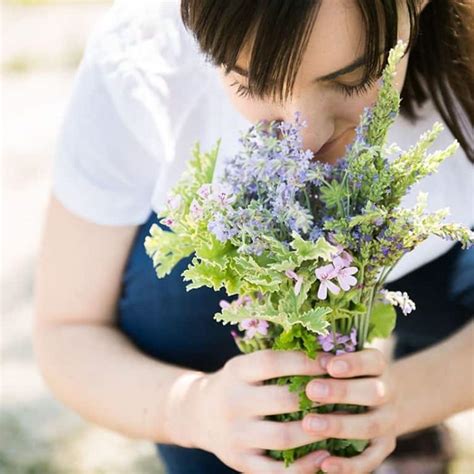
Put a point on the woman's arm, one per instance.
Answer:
(436, 383)
(87, 362)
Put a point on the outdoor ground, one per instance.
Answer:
(42, 44)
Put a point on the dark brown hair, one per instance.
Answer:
(441, 43)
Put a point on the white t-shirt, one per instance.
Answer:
(144, 94)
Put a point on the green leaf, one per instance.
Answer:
(313, 320)
(205, 273)
(199, 170)
(382, 321)
(359, 444)
(333, 194)
(236, 313)
(166, 249)
(307, 250)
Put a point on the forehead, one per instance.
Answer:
(336, 40)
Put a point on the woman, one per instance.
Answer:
(144, 357)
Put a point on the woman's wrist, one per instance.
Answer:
(181, 424)
(431, 385)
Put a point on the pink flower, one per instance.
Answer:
(196, 210)
(298, 279)
(168, 221)
(222, 193)
(252, 326)
(341, 258)
(240, 301)
(205, 191)
(224, 304)
(345, 278)
(324, 275)
(174, 201)
(243, 300)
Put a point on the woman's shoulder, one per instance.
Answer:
(145, 36)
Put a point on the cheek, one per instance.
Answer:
(350, 109)
(251, 110)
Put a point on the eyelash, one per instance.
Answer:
(348, 91)
(242, 91)
(360, 89)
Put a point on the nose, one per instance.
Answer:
(319, 125)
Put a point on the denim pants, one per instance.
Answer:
(170, 324)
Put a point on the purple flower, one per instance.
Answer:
(220, 229)
(324, 275)
(252, 326)
(328, 341)
(339, 342)
(298, 279)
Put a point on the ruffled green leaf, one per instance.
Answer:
(382, 321)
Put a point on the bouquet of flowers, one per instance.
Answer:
(305, 246)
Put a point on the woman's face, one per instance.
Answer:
(337, 40)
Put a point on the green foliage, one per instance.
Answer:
(382, 321)
(388, 100)
(305, 250)
(313, 320)
(413, 165)
(166, 249)
(357, 207)
(199, 171)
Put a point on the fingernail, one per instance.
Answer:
(340, 366)
(317, 423)
(319, 458)
(334, 468)
(324, 360)
(319, 390)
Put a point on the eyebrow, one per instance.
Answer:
(328, 77)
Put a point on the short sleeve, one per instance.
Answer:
(114, 141)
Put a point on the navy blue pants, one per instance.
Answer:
(170, 324)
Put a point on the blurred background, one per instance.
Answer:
(41, 46)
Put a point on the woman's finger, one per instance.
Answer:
(368, 461)
(308, 464)
(267, 364)
(373, 391)
(266, 434)
(356, 364)
(368, 425)
(265, 400)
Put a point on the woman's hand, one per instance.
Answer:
(376, 390)
(226, 410)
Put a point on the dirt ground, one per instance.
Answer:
(41, 46)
